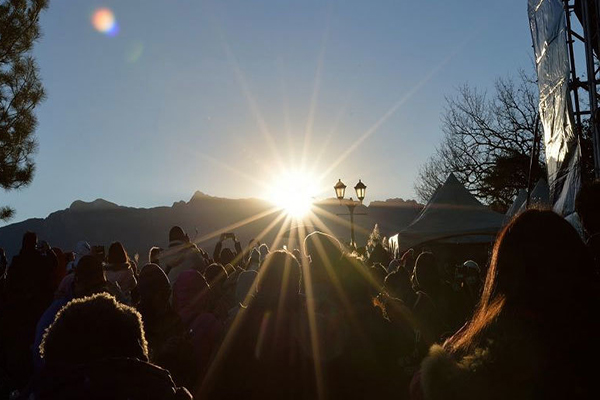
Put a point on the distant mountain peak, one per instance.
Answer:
(199, 195)
(98, 204)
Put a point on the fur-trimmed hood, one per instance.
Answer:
(444, 377)
(505, 369)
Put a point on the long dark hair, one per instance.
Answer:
(117, 254)
(540, 275)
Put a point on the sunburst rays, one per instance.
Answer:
(318, 217)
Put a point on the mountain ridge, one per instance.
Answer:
(204, 217)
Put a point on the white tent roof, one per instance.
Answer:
(540, 194)
(452, 212)
(517, 203)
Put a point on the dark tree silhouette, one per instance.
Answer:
(20, 92)
(487, 142)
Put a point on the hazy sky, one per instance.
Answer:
(217, 96)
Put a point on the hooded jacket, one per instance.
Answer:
(180, 256)
(507, 367)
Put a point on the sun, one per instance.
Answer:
(293, 191)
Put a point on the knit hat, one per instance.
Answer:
(176, 233)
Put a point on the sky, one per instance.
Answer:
(224, 96)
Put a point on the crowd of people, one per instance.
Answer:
(319, 322)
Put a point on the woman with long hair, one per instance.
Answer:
(535, 331)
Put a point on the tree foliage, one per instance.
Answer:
(20, 92)
(487, 142)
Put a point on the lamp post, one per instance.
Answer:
(340, 190)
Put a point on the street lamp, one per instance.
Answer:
(340, 190)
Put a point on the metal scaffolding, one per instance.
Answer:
(585, 14)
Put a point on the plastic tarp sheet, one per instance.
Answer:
(563, 153)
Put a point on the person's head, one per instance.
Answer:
(471, 272)
(393, 265)
(587, 207)
(227, 256)
(379, 255)
(408, 260)
(540, 271)
(323, 251)
(215, 275)
(355, 280)
(320, 246)
(263, 250)
(153, 285)
(89, 277)
(177, 234)
(29, 241)
(117, 254)
(279, 279)
(398, 285)
(154, 255)
(91, 329)
(426, 276)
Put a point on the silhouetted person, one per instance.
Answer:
(393, 265)
(379, 255)
(3, 262)
(168, 343)
(378, 273)
(361, 348)
(253, 260)
(408, 260)
(96, 349)
(181, 255)
(61, 267)
(398, 285)
(262, 360)
(467, 284)
(29, 290)
(536, 328)
(225, 255)
(588, 208)
(82, 248)
(430, 308)
(324, 251)
(88, 279)
(120, 270)
(194, 301)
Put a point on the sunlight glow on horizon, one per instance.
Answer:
(294, 191)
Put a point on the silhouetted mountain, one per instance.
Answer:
(204, 218)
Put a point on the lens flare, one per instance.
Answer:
(136, 51)
(104, 21)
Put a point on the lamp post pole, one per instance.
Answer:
(351, 205)
(340, 190)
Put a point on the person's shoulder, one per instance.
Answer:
(442, 376)
(471, 376)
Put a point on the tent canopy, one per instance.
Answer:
(452, 212)
(517, 204)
